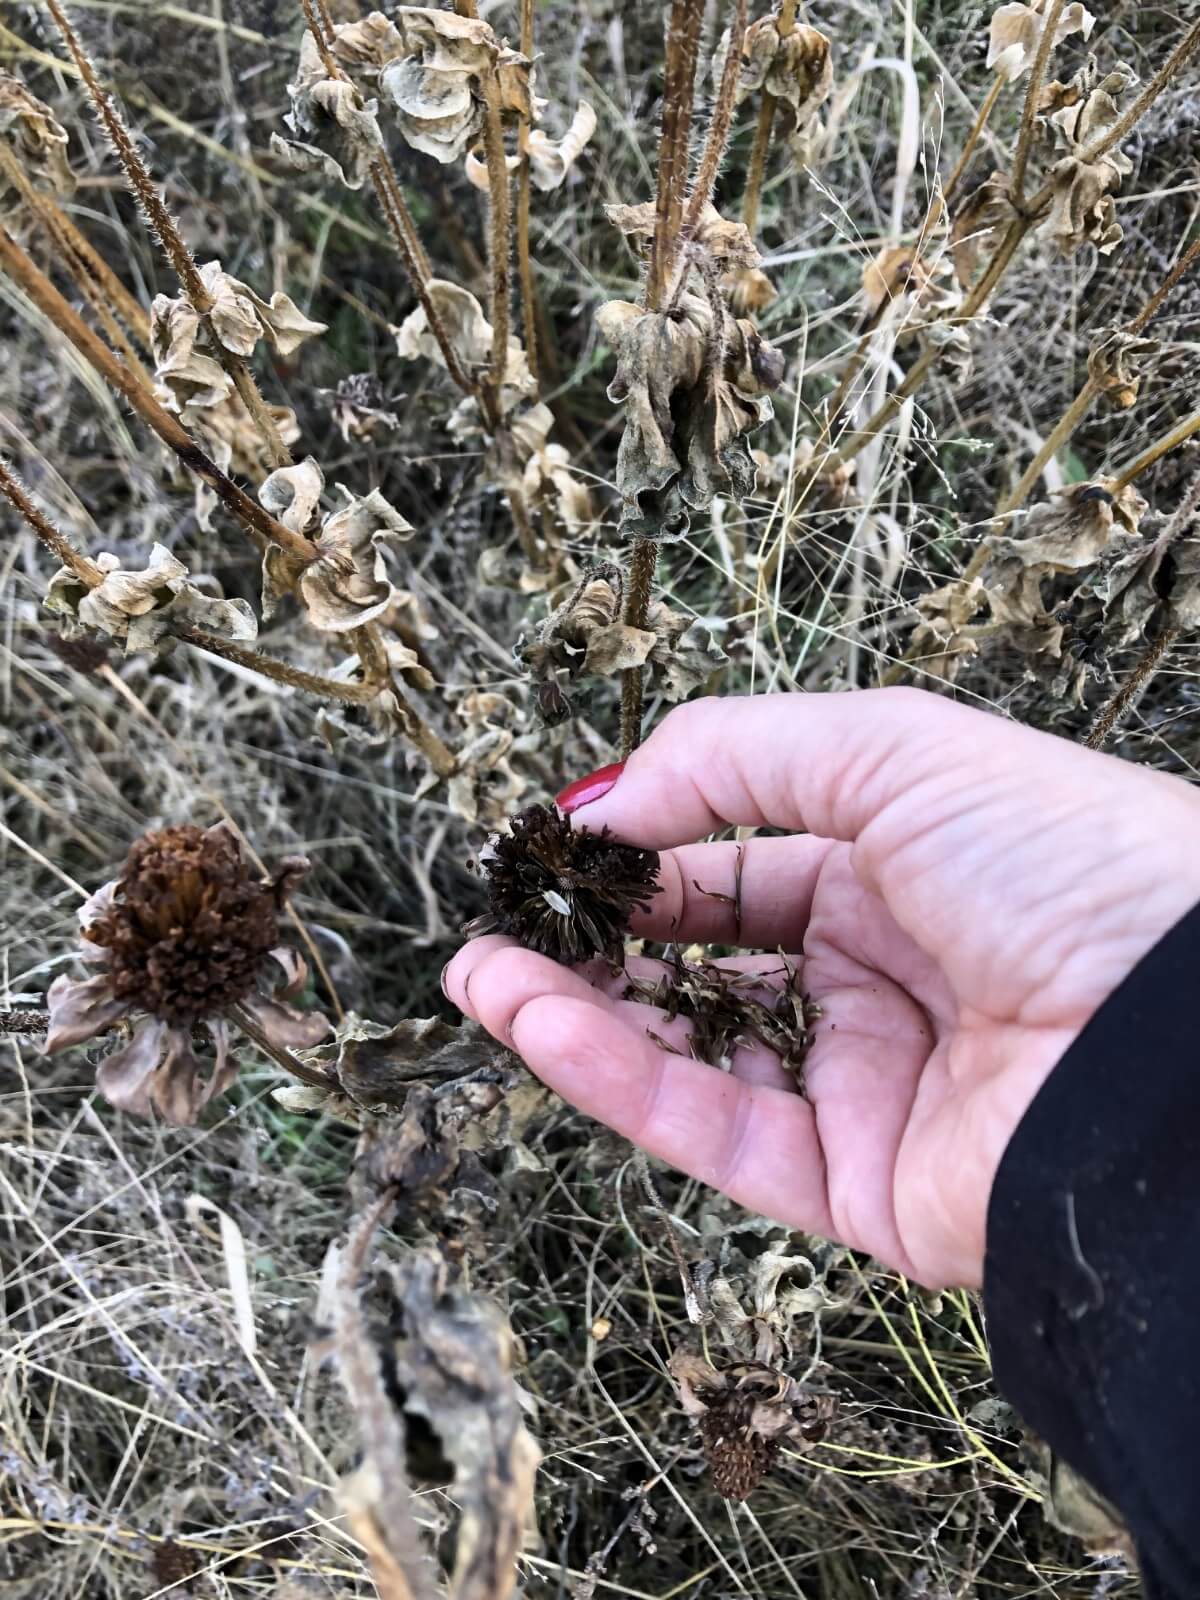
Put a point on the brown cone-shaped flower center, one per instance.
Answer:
(565, 892)
(188, 927)
(738, 1456)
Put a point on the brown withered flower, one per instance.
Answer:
(564, 892)
(745, 1414)
(184, 935)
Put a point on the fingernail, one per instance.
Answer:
(445, 970)
(585, 790)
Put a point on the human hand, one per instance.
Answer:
(966, 894)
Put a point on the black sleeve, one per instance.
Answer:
(1092, 1279)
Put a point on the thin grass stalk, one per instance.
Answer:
(973, 137)
(524, 260)
(59, 546)
(1029, 110)
(91, 261)
(29, 277)
(163, 226)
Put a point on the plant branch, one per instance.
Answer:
(718, 126)
(1112, 716)
(58, 545)
(524, 260)
(281, 1057)
(1154, 452)
(499, 241)
(163, 226)
(170, 430)
(1029, 110)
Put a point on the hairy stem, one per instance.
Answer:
(1112, 716)
(1029, 110)
(277, 1053)
(499, 241)
(163, 226)
(718, 127)
(1154, 452)
(639, 587)
(524, 260)
(58, 545)
(170, 430)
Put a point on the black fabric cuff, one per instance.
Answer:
(1092, 1276)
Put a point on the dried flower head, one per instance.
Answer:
(1016, 32)
(563, 891)
(974, 233)
(745, 1413)
(182, 936)
(37, 140)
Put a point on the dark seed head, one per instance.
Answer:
(188, 926)
(563, 891)
(738, 1457)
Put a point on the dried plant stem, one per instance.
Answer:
(389, 1530)
(682, 49)
(499, 229)
(1033, 90)
(639, 587)
(1079, 407)
(280, 671)
(52, 219)
(982, 118)
(163, 226)
(524, 260)
(93, 263)
(757, 167)
(58, 545)
(1154, 452)
(24, 272)
(1179, 57)
(718, 126)
(280, 1056)
(1112, 716)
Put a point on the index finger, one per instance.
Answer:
(825, 764)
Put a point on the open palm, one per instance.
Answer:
(964, 895)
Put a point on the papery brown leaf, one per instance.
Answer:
(728, 243)
(435, 83)
(975, 232)
(1114, 361)
(1081, 206)
(1016, 30)
(337, 131)
(37, 140)
(470, 334)
(797, 69)
(141, 607)
(550, 160)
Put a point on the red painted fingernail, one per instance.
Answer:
(584, 790)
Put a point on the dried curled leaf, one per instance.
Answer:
(727, 243)
(942, 642)
(434, 82)
(748, 291)
(36, 139)
(1081, 206)
(337, 131)
(524, 459)
(585, 637)
(1113, 363)
(551, 159)
(470, 336)
(348, 585)
(694, 384)
(975, 231)
(1016, 31)
(1067, 534)
(796, 68)
(745, 1412)
(185, 364)
(140, 606)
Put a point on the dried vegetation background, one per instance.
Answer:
(453, 425)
